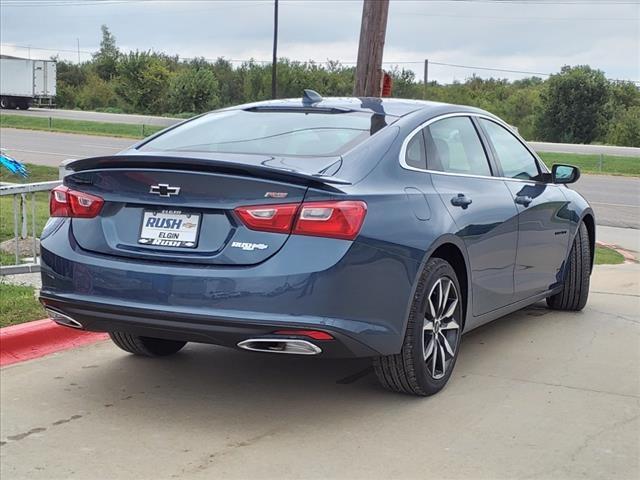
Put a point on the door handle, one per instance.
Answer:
(523, 200)
(461, 201)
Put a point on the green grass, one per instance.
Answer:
(607, 256)
(611, 165)
(78, 126)
(18, 304)
(37, 173)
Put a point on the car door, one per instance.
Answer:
(543, 217)
(480, 205)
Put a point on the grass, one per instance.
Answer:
(37, 173)
(611, 165)
(78, 126)
(607, 256)
(18, 304)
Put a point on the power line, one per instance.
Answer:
(345, 62)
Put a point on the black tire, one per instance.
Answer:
(146, 346)
(409, 371)
(4, 102)
(575, 291)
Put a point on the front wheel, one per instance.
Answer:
(575, 290)
(432, 338)
(146, 346)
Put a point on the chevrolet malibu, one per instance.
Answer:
(337, 227)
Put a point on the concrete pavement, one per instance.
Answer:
(538, 394)
(586, 149)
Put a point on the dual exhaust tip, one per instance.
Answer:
(62, 319)
(291, 346)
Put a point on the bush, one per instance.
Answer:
(193, 90)
(625, 129)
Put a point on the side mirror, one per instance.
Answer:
(565, 173)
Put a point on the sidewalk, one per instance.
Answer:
(627, 238)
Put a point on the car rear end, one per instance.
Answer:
(225, 241)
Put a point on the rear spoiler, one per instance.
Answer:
(159, 162)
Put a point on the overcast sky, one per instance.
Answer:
(530, 35)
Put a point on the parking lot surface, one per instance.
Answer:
(538, 394)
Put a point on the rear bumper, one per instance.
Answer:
(358, 293)
(98, 317)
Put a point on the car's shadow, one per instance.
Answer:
(224, 383)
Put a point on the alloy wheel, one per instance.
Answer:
(441, 331)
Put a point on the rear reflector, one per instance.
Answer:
(335, 219)
(65, 202)
(315, 334)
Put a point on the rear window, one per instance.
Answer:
(287, 133)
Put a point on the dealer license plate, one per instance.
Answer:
(170, 228)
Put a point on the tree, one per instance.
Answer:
(625, 129)
(142, 81)
(574, 104)
(193, 90)
(105, 60)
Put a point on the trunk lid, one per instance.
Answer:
(176, 209)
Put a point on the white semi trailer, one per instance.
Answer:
(25, 82)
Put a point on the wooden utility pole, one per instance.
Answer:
(426, 77)
(372, 34)
(274, 60)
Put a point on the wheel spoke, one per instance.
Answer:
(451, 309)
(445, 297)
(429, 349)
(428, 327)
(442, 359)
(447, 346)
(452, 325)
(432, 309)
(440, 298)
(434, 358)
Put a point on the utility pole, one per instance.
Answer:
(372, 34)
(426, 77)
(274, 60)
(78, 44)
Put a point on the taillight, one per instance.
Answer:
(341, 219)
(65, 202)
(269, 218)
(334, 219)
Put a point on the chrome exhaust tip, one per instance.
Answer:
(290, 346)
(62, 319)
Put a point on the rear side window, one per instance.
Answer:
(287, 133)
(416, 156)
(516, 161)
(453, 146)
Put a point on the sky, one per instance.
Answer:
(523, 35)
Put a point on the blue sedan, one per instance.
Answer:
(337, 227)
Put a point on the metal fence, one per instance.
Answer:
(22, 195)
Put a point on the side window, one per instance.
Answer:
(415, 156)
(516, 161)
(453, 146)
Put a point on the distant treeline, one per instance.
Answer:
(577, 105)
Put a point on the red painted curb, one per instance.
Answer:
(36, 339)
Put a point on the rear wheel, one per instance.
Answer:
(431, 342)
(575, 290)
(146, 346)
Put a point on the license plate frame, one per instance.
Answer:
(167, 234)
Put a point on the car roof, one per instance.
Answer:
(396, 107)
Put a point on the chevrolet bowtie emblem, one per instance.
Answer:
(164, 190)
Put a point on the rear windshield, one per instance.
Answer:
(287, 133)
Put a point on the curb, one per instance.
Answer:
(30, 340)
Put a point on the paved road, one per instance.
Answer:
(166, 121)
(94, 116)
(539, 394)
(616, 200)
(586, 149)
(48, 148)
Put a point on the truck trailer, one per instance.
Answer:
(24, 82)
